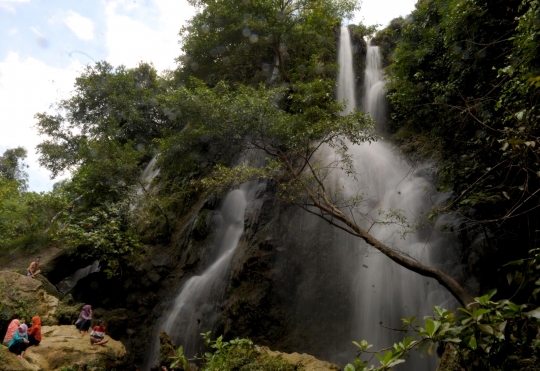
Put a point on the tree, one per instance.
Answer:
(256, 41)
(115, 105)
(292, 139)
(24, 216)
(12, 165)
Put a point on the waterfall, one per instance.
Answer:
(374, 97)
(196, 307)
(67, 284)
(346, 81)
(384, 292)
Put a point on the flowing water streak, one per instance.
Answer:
(346, 81)
(67, 284)
(384, 292)
(374, 101)
(196, 307)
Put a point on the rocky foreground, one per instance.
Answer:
(63, 346)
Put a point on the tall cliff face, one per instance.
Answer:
(289, 284)
(289, 288)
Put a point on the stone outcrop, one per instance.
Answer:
(303, 362)
(63, 346)
(24, 297)
(167, 349)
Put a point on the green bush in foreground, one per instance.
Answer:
(234, 355)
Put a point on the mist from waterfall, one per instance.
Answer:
(384, 292)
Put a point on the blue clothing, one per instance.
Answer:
(17, 336)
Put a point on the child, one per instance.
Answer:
(97, 337)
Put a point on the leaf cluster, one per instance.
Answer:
(490, 335)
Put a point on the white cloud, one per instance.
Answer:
(7, 5)
(81, 26)
(26, 87)
(130, 41)
(383, 11)
(13, 31)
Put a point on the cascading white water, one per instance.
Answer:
(67, 284)
(196, 306)
(384, 292)
(374, 97)
(346, 81)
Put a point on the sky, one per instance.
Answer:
(46, 44)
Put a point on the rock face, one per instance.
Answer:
(303, 362)
(288, 288)
(24, 297)
(63, 346)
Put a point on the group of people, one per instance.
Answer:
(97, 336)
(19, 337)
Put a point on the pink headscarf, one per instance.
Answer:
(13, 326)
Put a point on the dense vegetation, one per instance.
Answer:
(255, 82)
(462, 86)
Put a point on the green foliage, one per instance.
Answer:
(104, 232)
(109, 104)
(24, 216)
(387, 39)
(487, 336)
(459, 76)
(67, 312)
(12, 166)
(180, 359)
(243, 41)
(239, 355)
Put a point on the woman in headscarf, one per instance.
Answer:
(34, 332)
(19, 343)
(85, 319)
(12, 328)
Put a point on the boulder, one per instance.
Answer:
(167, 349)
(63, 346)
(303, 362)
(24, 297)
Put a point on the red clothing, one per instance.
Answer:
(35, 330)
(98, 332)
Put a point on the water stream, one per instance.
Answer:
(374, 289)
(196, 307)
(68, 283)
(384, 292)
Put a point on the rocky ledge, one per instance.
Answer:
(63, 346)
(303, 362)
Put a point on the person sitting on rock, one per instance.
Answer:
(12, 329)
(33, 270)
(97, 336)
(85, 319)
(34, 332)
(19, 343)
